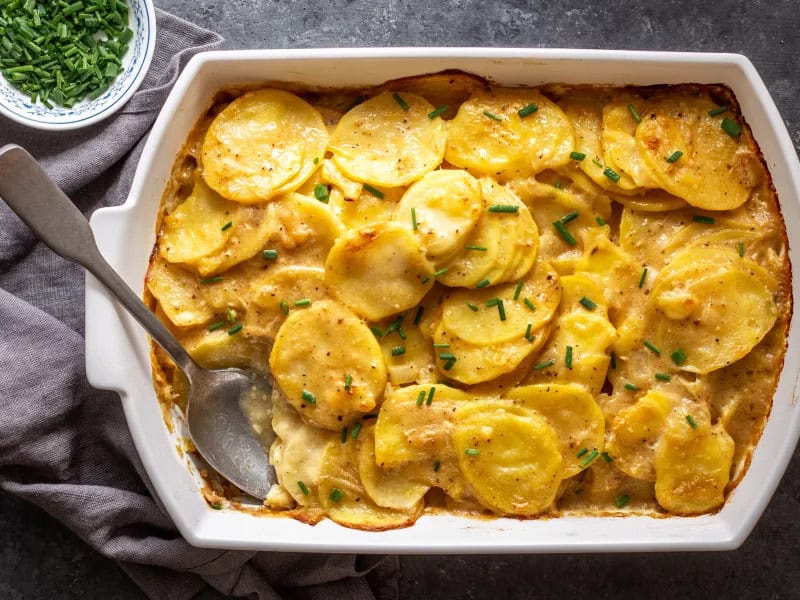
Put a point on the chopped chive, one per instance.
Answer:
(235, 329)
(374, 191)
(441, 272)
(348, 381)
(449, 364)
(600, 220)
(207, 280)
(356, 431)
(528, 110)
(674, 157)
(401, 332)
(344, 435)
(529, 304)
(414, 224)
(216, 506)
(582, 452)
(652, 347)
(501, 309)
(436, 466)
(230, 314)
(592, 455)
(227, 226)
(472, 452)
(302, 302)
(528, 335)
(398, 350)
(418, 316)
(663, 376)
(517, 289)
(321, 193)
(740, 247)
(492, 116)
(270, 254)
(284, 307)
(613, 360)
(717, 111)
(606, 457)
(395, 325)
(399, 99)
(703, 219)
(568, 357)
(564, 233)
(336, 495)
(437, 112)
(492, 302)
(441, 345)
(217, 325)
(316, 160)
(544, 365)
(425, 280)
(622, 500)
(420, 397)
(483, 283)
(678, 357)
(477, 248)
(570, 217)
(691, 421)
(587, 303)
(579, 156)
(634, 113)
(731, 127)
(597, 163)
(503, 208)
(632, 387)
(308, 397)
(472, 307)
(611, 174)
(303, 488)
(446, 356)
(376, 331)
(431, 392)
(643, 277)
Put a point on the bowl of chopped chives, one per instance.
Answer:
(67, 64)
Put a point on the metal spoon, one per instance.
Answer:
(218, 427)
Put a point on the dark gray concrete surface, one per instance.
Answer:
(40, 559)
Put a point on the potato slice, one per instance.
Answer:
(197, 226)
(619, 143)
(716, 171)
(635, 432)
(510, 456)
(448, 88)
(261, 145)
(344, 498)
(287, 284)
(365, 208)
(485, 327)
(178, 293)
(332, 174)
(572, 413)
(384, 143)
(304, 229)
(489, 137)
(387, 488)
(298, 458)
(692, 467)
(378, 270)
(416, 363)
(651, 201)
(218, 350)
(442, 208)
(314, 350)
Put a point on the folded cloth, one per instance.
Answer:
(65, 446)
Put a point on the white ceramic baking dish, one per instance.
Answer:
(117, 349)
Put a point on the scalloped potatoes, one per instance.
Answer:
(475, 299)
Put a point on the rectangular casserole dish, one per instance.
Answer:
(117, 350)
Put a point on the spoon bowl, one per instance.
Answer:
(218, 426)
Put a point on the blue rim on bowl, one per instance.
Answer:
(18, 107)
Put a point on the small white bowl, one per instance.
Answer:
(17, 105)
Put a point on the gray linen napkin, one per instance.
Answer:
(64, 446)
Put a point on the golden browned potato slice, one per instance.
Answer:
(510, 456)
(387, 488)
(442, 209)
(448, 89)
(198, 226)
(273, 296)
(541, 288)
(261, 145)
(218, 350)
(635, 431)
(378, 270)
(178, 293)
(715, 172)
(489, 137)
(389, 140)
(693, 466)
(572, 413)
(619, 143)
(314, 351)
(344, 498)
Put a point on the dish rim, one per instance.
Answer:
(202, 526)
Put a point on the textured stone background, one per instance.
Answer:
(40, 559)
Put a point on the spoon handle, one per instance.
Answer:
(55, 220)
